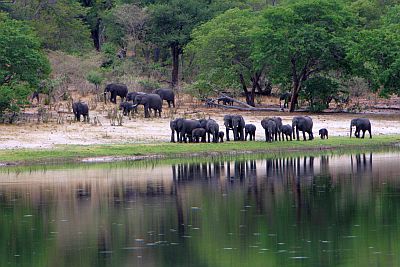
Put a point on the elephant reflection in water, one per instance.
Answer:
(362, 164)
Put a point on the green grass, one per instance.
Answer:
(74, 153)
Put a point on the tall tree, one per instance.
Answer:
(222, 48)
(59, 23)
(302, 39)
(171, 24)
(375, 54)
(23, 63)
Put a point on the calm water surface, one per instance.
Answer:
(305, 211)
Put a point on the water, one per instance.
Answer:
(305, 211)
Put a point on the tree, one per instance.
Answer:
(319, 92)
(22, 62)
(171, 24)
(374, 54)
(58, 23)
(222, 48)
(302, 39)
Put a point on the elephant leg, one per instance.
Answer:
(227, 134)
(310, 136)
(172, 137)
(266, 135)
(363, 134)
(370, 135)
(304, 135)
(298, 134)
(245, 136)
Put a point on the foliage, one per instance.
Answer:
(58, 23)
(95, 78)
(22, 63)
(222, 48)
(200, 89)
(149, 85)
(302, 39)
(374, 55)
(319, 92)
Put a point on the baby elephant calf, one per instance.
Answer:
(323, 133)
(287, 131)
(221, 136)
(199, 134)
(127, 108)
(250, 129)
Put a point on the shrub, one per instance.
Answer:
(319, 92)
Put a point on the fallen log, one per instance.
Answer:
(250, 108)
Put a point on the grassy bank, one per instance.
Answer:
(171, 150)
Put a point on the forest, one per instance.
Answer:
(314, 49)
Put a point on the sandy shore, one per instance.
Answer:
(153, 130)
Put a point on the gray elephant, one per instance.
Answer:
(225, 101)
(127, 108)
(304, 124)
(236, 124)
(286, 131)
(186, 128)
(115, 89)
(277, 134)
(221, 136)
(250, 130)
(199, 134)
(176, 126)
(79, 109)
(149, 101)
(361, 124)
(167, 95)
(270, 128)
(212, 128)
(323, 133)
(286, 97)
(131, 96)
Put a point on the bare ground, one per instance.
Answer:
(153, 130)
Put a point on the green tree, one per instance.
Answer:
(22, 62)
(319, 92)
(375, 55)
(302, 39)
(222, 48)
(58, 23)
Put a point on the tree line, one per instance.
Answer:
(309, 48)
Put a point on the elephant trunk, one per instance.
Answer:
(351, 129)
(105, 97)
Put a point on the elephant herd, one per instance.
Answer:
(150, 102)
(187, 130)
(129, 101)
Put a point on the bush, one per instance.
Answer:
(200, 89)
(13, 96)
(149, 85)
(319, 92)
(95, 78)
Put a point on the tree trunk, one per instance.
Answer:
(156, 54)
(95, 33)
(295, 96)
(175, 64)
(249, 95)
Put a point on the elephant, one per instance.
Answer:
(304, 124)
(211, 127)
(127, 108)
(199, 134)
(79, 109)
(149, 101)
(115, 89)
(270, 128)
(286, 97)
(221, 136)
(286, 131)
(323, 133)
(278, 132)
(176, 126)
(131, 96)
(186, 127)
(167, 95)
(250, 130)
(361, 124)
(225, 101)
(236, 124)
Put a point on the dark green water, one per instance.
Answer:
(306, 211)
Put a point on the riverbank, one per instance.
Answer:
(118, 152)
